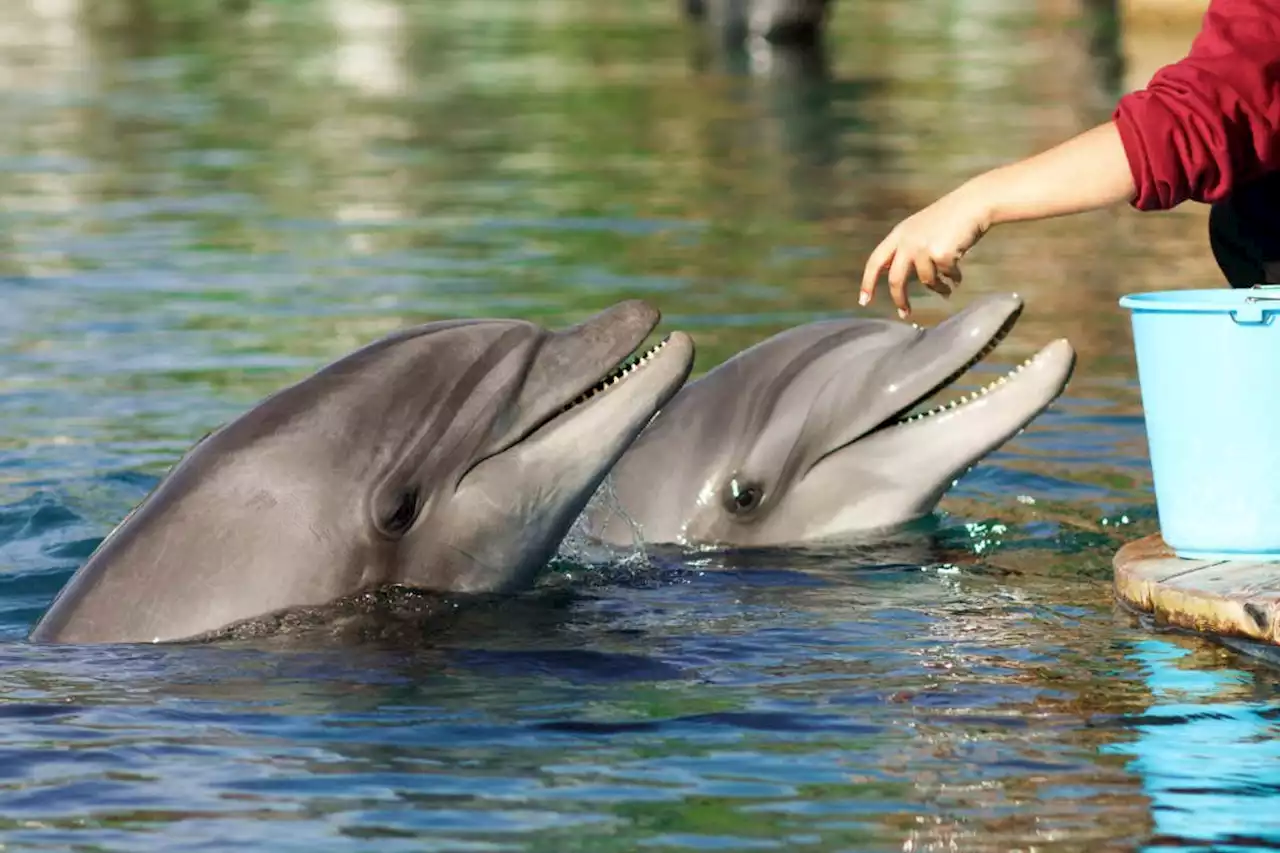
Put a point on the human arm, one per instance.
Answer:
(1085, 172)
(1202, 126)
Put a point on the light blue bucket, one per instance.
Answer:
(1209, 372)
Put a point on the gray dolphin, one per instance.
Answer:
(451, 457)
(808, 435)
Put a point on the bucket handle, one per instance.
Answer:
(1254, 311)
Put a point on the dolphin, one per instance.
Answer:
(810, 435)
(449, 457)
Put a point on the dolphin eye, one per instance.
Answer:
(404, 514)
(743, 497)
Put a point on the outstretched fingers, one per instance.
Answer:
(940, 276)
(880, 258)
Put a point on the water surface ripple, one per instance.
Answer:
(200, 202)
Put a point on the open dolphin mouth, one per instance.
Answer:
(629, 365)
(575, 369)
(917, 410)
(1000, 334)
(622, 370)
(969, 398)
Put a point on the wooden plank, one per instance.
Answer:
(1234, 599)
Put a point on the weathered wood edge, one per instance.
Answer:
(1235, 599)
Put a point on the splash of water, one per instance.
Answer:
(579, 548)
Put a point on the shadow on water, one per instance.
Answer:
(200, 202)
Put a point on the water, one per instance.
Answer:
(200, 202)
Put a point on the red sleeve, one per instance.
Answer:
(1209, 122)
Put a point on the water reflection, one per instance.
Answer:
(202, 201)
(1206, 750)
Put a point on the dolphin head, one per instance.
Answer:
(451, 457)
(497, 461)
(810, 435)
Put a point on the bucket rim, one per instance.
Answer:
(1260, 298)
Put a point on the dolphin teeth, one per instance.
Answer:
(975, 394)
(619, 373)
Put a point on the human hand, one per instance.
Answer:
(1087, 172)
(931, 242)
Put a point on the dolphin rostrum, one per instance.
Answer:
(450, 457)
(810, 434)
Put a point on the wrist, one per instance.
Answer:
(980, 197)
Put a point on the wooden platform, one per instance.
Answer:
(1232, 599)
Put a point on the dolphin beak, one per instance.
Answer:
(568, 363)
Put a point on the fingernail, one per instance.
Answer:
(864, 298)
(903, 312)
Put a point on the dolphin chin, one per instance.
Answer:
(819, 433)
(450, 457)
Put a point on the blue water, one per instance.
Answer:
(202, 202)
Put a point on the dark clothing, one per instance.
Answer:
(1244, 233)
